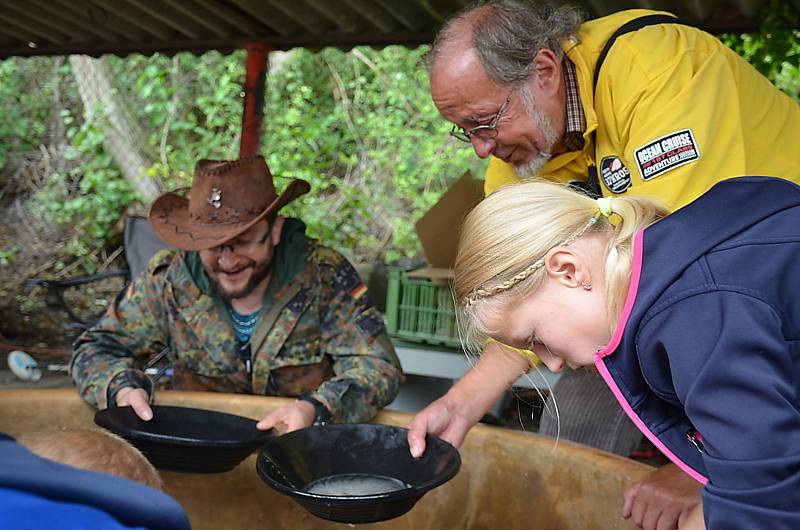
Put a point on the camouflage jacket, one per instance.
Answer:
(318, 336)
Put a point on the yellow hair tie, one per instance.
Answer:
(604, 203)
(530, 355)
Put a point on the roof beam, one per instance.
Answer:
(298, 11)
(408, 13)
(14, 31)
(440, 10)
(97, 15)
(271, 17)
(200, 16)
(374, 14)
(70, 19)
(15, 16)
(234, 18)
(278, 42)
(136, 17)
(95, 27)
(52, 17)
(346, 21)
(166, 14)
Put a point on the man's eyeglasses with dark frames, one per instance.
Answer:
(484, 132)
(241, 247)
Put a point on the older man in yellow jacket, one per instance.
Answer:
(671, 112)
(632, 103)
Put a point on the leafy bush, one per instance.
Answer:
(89, 196)
(362, 129)
(775, 50)
(26, 90)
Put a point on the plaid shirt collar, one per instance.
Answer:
(575, 118)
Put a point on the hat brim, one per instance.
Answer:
(169, 217)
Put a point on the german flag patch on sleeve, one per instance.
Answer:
(359, 291)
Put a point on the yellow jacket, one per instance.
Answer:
(676, 112)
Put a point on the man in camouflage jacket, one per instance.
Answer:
(315, 335)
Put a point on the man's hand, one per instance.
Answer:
(695, 520)
(294, 416)
(662, 500)
(136, 398)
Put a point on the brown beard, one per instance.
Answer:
(259, 273)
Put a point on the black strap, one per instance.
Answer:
(321, 413)
(593, 181)
(592, 187)
(628, 27)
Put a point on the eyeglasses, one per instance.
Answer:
(484, 132)
(240, 247)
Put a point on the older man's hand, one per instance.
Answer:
(694, 521)
(662, 500)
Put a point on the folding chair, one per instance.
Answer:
(140, 243)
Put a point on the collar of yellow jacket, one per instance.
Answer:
(583, 50)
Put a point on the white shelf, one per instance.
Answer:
(453, 364)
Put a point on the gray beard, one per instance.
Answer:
(532, 167)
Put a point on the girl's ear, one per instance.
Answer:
(566, 267)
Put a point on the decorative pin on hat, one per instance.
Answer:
(216, 198)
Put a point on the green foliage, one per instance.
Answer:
(190, 105)
(26, 91)
(89, 196)
(362, 129)
(775, 49)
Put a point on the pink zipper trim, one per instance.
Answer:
(636, 272)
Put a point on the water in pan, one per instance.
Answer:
(354, 484)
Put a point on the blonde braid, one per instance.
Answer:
(479, 293)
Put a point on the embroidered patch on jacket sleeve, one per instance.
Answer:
(359, 291)
(665, 153)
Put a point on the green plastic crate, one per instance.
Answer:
(418, 310)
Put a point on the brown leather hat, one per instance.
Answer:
(227, 198)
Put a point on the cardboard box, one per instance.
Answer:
(439, 229)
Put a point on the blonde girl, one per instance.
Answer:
(693, 320)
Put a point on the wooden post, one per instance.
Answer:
(254, 86)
